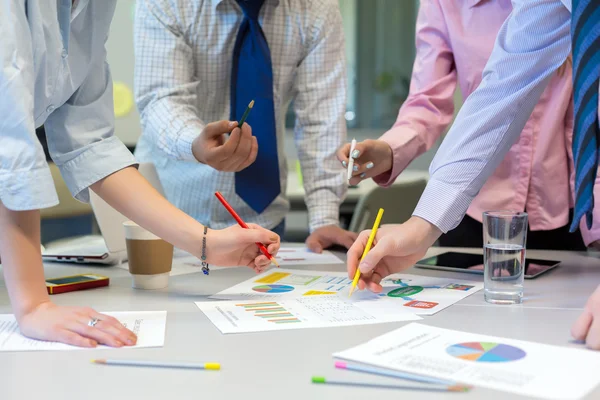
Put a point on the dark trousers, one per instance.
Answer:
(469, 233)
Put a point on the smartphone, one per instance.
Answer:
(473, 263)
(75, 282)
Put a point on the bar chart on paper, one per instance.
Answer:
(270, 311)
(303, 312)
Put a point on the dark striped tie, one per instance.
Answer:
(585, 35)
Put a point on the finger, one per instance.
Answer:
(273, 248)
(219, 128)
(343, 153)
(117, 331)
(355, 252)
(243, 150)
(359, 150)
(346, 240)
(257, 233)
(593, 337)
(83, 329)
(262, 260)
(374, 282)
(225, 152)
(314, 245)
(581, 327)
(67, 337)
(384, 248)
(252, 155)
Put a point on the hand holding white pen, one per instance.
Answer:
(365, 159)
(351, 161)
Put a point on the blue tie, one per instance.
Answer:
(585, 35)
(252, 79)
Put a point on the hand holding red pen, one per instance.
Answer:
(267, 252)
(235, 246)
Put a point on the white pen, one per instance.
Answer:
(350, 159)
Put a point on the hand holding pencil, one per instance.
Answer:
(268, 253)
(229, 154)
(395, 248)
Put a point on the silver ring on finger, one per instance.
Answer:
(93, 322)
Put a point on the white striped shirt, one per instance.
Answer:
(182, 82)
(531, 45)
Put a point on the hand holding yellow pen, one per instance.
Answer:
(367, 248)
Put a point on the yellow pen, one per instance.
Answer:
(367, 248)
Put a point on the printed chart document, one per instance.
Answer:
(302, 256)
(515, 366)
(420, 294)
(298, 313)
(149, 326)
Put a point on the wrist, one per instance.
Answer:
(207, 245)
(427, 232)
(196, 149)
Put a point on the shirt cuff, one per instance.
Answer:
(406, 145)
(185, 140)
(100, 160)
(323, 215)
(28, 190)
(442, 205)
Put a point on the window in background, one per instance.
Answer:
(380, 51)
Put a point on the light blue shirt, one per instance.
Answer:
(531, 45)
(53, 72)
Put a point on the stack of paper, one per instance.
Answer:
(515, 366)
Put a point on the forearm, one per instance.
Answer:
(130, 194)
(21, 259)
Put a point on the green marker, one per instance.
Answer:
(245, 116)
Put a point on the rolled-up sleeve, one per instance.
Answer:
(165, 85)
(80, 133)
(25, 180)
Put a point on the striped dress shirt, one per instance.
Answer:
(183, 52)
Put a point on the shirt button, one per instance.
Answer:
(64, 53)
(525, 141)
(50, 109)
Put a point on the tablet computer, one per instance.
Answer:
(473, 263)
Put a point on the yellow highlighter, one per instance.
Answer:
(367, 248)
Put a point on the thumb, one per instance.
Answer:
(313, 244)
(384, 247)
(259, 234)
(218, 128)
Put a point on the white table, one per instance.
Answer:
(273, 365)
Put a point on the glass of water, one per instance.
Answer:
(504, 239)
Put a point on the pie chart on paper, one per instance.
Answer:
(273, 288)
(485, 352)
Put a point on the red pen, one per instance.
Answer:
(239, 220)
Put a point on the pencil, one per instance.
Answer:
(159, 364)
(245, 115)
(351, 159)
(239, 220)
(458, 388)
(367, 248)
(392, 374)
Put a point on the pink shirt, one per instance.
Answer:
(454, 40)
